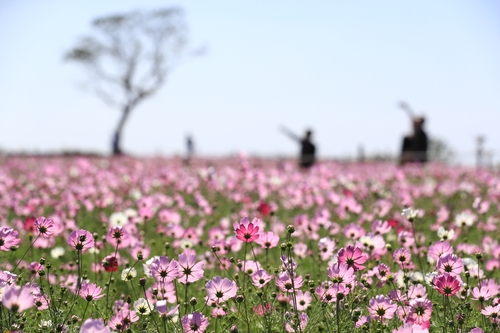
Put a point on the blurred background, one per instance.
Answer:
(339, 68)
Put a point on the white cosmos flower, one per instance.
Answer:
(465, 219)
(118, 219)
(444, 234)
(410, 213)
(57, 252)
(141, 306)
(129, 273)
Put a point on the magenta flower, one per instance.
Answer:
(268, 240)
(94, 326)
(45, 227)
(17, 299)
(220, 289)
(189, 270)
(195, 322)
(163, 269)
(90, 292)
(81, 240)
(246, 231)
(353, 257)
(447, 284)
(9, 239)
(381, 308)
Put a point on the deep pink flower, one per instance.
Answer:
(81, 240)
(353, 257)
(447, 284)
(17, 299)
(90, 292)
(220, 289)
(94, 326)
(381, 308)
(246, 231)
(195, 322)
(45, 227)
(189, 270)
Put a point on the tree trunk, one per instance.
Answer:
(116, 142)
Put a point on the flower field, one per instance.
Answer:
(147, 245)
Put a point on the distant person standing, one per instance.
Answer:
(415, 146)
(189, 150)
(307, 148)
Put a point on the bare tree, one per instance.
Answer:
(129, 56)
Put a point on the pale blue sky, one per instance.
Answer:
(339, 67)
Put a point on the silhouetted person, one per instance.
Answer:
(189, 150)
(307, 148)
(415, 146)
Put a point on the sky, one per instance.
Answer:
(340, 68)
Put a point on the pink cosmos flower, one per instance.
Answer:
(90, 292)
(447, 284)
(402, 256)
(285, 283)
(9, 239)
(482, 294)
(450, 263)
(81, 240)
(381, 308)
(189, 270)
(417, 291)
(17, 299)
(118, 237)
(163, 269)
(246, 231)
(476, 330)
(261, 278)
(45, 227)
(123, 319)
(382, 271)
(303, 300)
(195, 322)
(341, 273)
(220, 289)
(420, 311)
(411, 328)
(326, 247)
(94, 326)
(437, 249)
(268, 240)
(353, 257)
(491, 311)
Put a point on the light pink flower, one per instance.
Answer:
(17, 299)
(94, 326)
(381, 308)
(195, 322)
(81, 240)
(189, 270)
(220, 289)
(45, 227)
